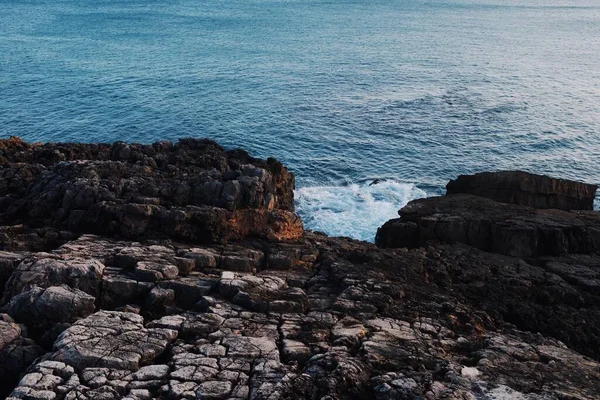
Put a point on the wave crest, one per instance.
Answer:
(355, 210)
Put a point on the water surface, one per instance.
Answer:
(342, 91)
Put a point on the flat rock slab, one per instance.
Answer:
(251, 347)
(78, 273)
(44, 307)
(111, 339)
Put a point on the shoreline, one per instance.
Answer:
(181, 270)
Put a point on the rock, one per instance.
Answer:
(397, 386)
(213, 390)
(348, 332)
(189, 290)
(152, 272)
(526, 189)
(184, 265)
(78, 273)
(204, 258)
(193, 190)
(295, 351)
(119, 290)
(223, 296)
(113, 340)
(261, 293)
(470, 372)
(212, 350)
(9, 332)
(151, 372)
(283, 259)
(16, 354)
(250, 347)
(8, 262)
(494, 227)
(159, 298)
(42, 308)
(340, 373)
(227, 275)
(242, 261)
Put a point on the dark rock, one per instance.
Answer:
(278, 313)
(490, 226)
(296, 351)
(148, 191)
(78, 273)
(152, 272)
(184, 265)
(391, 328)
(203, 258)
(42, 308)
(49, 336)
(241, 260)
(19, 238)
(526, 189)
(188, 291)
(16, 354)
(159, 298)
(377, 181)
(119, 290)
(8, 262)
(111, 340)
(9, 332)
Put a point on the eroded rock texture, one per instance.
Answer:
(192, 190)
(494, 227)
(526, 189)
(338, 318)
(90, 316)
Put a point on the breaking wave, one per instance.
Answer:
(355, 210)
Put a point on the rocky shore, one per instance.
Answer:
(180, 271)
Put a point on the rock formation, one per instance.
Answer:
(526, 189)
(494, 227)
(193, 190)
(100, 302)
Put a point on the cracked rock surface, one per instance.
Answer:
(109, 316)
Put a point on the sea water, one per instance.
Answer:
(410, 92)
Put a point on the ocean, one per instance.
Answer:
(410, 92)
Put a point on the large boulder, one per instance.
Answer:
(42, 308)
(491, 226)
(526, 189)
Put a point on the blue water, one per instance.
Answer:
(342, 91)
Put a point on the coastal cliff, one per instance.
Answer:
(180, 271)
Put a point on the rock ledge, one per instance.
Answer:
(180, 271)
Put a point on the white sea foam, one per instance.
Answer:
(354, 210)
